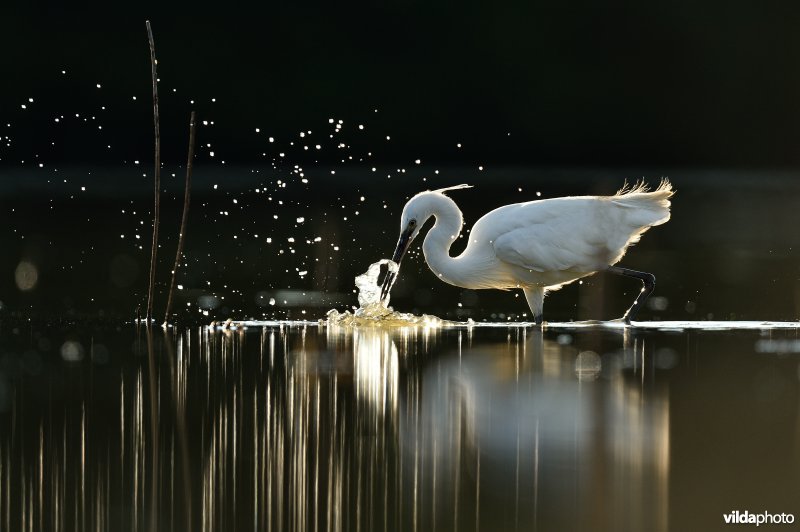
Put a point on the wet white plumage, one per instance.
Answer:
(538, 245)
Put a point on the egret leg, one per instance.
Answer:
(535, 298)
(648, 285)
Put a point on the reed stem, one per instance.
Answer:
(186, 196)
(157, 183)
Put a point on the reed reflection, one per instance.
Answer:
(331, 428)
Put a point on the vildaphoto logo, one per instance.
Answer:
(764, 518)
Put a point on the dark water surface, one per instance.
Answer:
(308, 427)
(263, 244)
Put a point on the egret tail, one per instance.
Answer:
(645, 209)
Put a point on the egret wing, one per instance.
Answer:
(552, 236)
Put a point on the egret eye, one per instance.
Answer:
(412, 222)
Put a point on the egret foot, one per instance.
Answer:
(538, 319)
(648, 285)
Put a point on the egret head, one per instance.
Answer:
(416, 212)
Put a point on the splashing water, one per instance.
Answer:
(373, 311)
(369, 293)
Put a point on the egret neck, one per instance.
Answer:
(436, 247)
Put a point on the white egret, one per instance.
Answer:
(538, 246)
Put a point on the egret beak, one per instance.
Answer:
(402, 246)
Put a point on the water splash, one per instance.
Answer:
(373, 311)
(369, 293)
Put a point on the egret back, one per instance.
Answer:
(577, 234)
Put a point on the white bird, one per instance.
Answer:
(538, 246)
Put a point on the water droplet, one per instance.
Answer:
(72, 351)
(26, 275)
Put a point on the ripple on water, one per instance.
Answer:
(376, 314)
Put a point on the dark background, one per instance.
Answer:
(665, 83)
(516, 99)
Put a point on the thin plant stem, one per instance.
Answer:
(186, 196)
(157, 180)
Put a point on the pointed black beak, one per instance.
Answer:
(402, 246)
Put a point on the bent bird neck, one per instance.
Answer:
(444, 232)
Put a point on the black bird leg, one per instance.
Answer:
(648, 285)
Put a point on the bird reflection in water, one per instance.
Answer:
(299, 427)
(520, 435)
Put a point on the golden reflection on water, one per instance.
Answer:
(337, 428)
